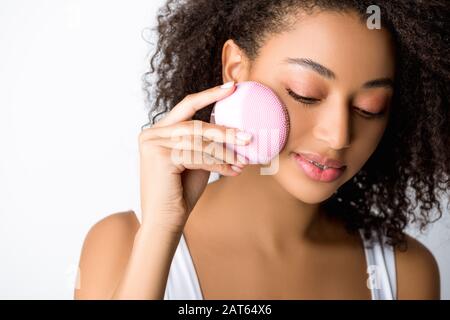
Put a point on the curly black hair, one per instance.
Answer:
(410, 166)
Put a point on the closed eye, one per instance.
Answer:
(305, 100)
(368, 114)
(309, 101)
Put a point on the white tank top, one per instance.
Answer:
(183, 284)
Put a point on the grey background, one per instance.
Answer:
(71, 108)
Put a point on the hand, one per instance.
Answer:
(177, 155)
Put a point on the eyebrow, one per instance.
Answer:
(379, 83)
(327, 73)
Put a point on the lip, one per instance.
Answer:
(317, 173)
(323, 161)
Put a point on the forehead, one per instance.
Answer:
(339, 41)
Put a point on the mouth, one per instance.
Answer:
(327, 170)
(321, 161)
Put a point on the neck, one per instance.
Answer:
(256, 207)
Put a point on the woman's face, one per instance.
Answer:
(344, 72)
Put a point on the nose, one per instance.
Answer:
(333, 126)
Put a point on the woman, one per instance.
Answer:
(374, 100)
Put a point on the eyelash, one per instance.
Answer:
(307, 101)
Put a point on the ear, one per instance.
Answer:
(235, 65)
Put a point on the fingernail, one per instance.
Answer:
(237, 169)
(243, 160)
(227, 85)
(243, 136)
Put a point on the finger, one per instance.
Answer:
(209, 163)
(209, 131)
(187, 107)
(214, 149)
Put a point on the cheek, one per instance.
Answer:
(366, 139)
(370, 131)
(301, 127)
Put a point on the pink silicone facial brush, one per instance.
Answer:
(254, 108)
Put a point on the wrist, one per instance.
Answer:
(161, 232)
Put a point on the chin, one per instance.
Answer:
(310, 192)
(311, 196)
(304, 188)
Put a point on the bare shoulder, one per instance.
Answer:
(417, 272)
(104, 255)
